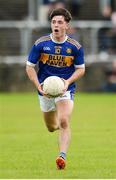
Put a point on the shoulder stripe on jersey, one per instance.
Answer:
(41, 39)
(74, 42)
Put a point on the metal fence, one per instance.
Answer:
(17, 37)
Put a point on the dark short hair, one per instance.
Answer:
(61, 12)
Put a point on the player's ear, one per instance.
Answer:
(67, 26)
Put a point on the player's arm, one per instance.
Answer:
(33, 77)
(79, 72)
(79, 67)
(30, 66)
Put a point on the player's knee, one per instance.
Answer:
(51, 128)
(64, 124)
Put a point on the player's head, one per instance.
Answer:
(61, 12)
(60, 19)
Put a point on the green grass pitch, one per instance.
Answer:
(28, 150)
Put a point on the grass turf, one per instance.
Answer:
(27, 150)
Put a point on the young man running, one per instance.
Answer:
(57, 55)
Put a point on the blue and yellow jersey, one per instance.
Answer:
(56, 59)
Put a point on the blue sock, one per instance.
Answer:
(63, 155)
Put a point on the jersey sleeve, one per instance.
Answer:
(79, 58)
(33, 55)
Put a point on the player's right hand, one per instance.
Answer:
(40, 89)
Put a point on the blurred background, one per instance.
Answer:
(93, 25)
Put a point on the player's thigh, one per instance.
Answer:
(50, 117)
(47, 104)
(64, 109)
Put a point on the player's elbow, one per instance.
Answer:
(82, 71)
(28, 69)
(28, 72)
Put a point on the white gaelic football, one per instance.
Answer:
(53, 86)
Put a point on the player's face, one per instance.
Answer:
(59, 26)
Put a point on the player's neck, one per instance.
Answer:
(59, 39)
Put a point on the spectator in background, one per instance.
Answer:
(54, 4)
(74, 6)
(110, 85)
(43, 9)
(106, 13)
(107, 36)
(103, 35)
(46, 7)
(113, 31)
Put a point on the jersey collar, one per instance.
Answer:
(57, 41)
